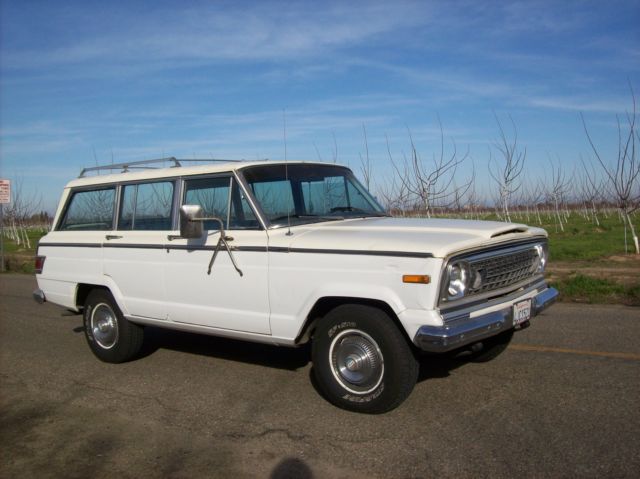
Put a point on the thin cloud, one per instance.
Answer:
(260, 32)
(580, 104)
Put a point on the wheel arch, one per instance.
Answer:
(327, 303)
(83, 290)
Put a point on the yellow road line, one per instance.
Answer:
(547, 349)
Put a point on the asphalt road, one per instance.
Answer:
(562, 401)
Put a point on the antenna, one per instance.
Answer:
(286, 166)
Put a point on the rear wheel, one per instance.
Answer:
(110, 336)
(361, 360)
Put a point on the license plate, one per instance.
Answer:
(521, 312)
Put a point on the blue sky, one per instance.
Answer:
(137, 80)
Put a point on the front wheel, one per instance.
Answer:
(361, 360)
(110, 336)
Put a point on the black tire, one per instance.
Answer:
(110, 336)
(361, 360)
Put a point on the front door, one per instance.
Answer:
(224, 297)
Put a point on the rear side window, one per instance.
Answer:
(90, 211)
(146, 206)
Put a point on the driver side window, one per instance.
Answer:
(222, 198)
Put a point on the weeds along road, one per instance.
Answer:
(562, 401)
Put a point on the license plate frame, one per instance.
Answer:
(521, 312)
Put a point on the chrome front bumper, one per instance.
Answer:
(467, 330)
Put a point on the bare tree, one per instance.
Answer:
(473, 200)
(535, 195)
(335, 148)
(18, 213)
(365, 163)
(393, 192)
(394, 197)
(464, 196)
(591, 190)
(506, 171)
(432, 186)
(623, 171)
(557, 189)
(317, 151)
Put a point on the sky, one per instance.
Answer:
(91, 82)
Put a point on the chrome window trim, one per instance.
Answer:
(116, 209)
(263, 217)
(250, 199)
(224, 174)
(88, 188)
(120, 186)
(229, 198)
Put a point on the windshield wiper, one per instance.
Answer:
(359, 211)
(313, 217)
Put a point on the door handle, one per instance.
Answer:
(110, 237)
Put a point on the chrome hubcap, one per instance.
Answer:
(104, 326)
(356, 361)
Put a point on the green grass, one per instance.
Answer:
(583, 240)
(19, 258)
(34, 236)
(586, 289)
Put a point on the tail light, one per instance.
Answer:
(39, 266)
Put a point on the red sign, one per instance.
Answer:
(5, 192)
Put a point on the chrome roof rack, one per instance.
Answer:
(143, 164)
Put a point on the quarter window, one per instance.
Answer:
(90, 211)
(146, 206)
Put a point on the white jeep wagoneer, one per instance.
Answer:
(288, 253)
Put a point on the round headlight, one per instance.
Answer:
(540, 261)
(458, 279)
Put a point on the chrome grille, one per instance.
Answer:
(504, 270)
(496, 272)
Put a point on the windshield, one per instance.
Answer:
(306, 193)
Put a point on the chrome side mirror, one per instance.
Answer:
(191, 221)
(192, 227)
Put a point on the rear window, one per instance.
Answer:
(90, 211)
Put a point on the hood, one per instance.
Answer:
(438, 237)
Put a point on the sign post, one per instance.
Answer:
(5, 199)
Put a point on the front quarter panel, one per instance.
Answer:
(299, 279)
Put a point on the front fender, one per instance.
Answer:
(292, 326)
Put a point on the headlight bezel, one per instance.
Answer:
(458, 276)
(542, 258)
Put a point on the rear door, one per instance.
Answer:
(134, 252)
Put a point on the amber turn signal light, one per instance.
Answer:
(416, 278)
